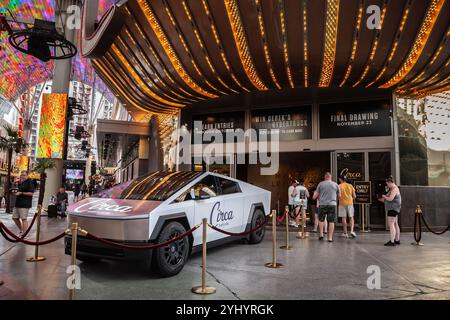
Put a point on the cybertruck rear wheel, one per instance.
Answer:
(170, 260)
(257, 219)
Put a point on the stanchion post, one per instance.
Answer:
(364, 220)
(203, 289)
(36, 257)
(287, 246)
(73, 251)
(274, 263)
(417, 218)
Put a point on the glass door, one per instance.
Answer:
(379, 170)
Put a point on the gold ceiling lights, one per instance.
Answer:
(355, 43)
(154, 24)
(285, 45)
(242, 45)
(331, 30)
(169, 54)
(266, 46)
(419, 43)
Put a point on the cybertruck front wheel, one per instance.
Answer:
(257, 219)
(170, 260)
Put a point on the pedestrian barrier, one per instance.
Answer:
(74, 230)
(286, 213)
(418, 219)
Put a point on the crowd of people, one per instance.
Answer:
(330, 201)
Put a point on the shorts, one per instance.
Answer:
(392, 213)
(344, 211)
(20, 213)
(327, 211)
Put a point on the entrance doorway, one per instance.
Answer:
(310, 166)
(373, 166)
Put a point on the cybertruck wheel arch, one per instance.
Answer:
(162, 220)
(253, 208)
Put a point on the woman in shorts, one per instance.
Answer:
(392, 205)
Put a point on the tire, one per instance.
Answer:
(257, 219)
(170, 260)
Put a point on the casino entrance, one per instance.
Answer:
(366, 165)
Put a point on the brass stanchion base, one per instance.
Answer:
(272, 265)
(201, 290)
(419, 244)
(300, 236)
(286, 247)
(35, 259)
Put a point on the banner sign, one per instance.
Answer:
(355, 119)
(363, 192)
(291, 123)
(218, 123)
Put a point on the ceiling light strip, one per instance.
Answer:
(265, 45)
(355, 44)
(419, 43)
(158, 60)
(118, 88)
(128, 83)
(285, 45)
(395, 46)
(241, 44)
(374, 46)
(154, 73)
(170, 52)
(188, 51)
(329, 54)
(220, 47)
(203, 46)
(305, 42)
(138, 79)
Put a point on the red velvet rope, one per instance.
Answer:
(280, 220)
(240, 233)
(30, 226)
(429, 229)
(295, 216)
(152, 246)
(4, 229)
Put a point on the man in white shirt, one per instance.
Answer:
(291, 198)
(301, 200)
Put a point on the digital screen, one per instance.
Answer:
(52, 126)
(77, 174)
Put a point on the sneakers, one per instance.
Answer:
(330, 240)
(353, 234)
(389, 244)
(321, 238)
(397, 242)
(293, 224)
(344, 235)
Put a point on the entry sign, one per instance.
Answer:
(363, 192)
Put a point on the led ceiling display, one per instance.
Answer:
(52, 125)
(20, 71)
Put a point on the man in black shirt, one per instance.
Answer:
(24, 198)
(62, 200)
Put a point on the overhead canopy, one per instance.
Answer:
(20, 71)
(173, 53)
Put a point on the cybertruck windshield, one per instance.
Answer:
(157, 186)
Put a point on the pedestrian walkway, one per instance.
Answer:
(312, 270)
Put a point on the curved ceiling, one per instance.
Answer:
(169, 54)
(20, 71)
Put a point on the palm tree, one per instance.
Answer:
(12, 142)
(40, 167)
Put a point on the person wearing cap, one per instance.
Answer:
(347, 195)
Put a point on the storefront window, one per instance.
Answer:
(351, 165)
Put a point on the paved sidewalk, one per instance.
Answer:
(313, 270)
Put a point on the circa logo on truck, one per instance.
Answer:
(102, 205)
(219, 216)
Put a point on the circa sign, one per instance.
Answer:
(112, 207)
(220, 217)
(363, 192)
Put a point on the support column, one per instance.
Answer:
(155, 155)
(60, 84)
